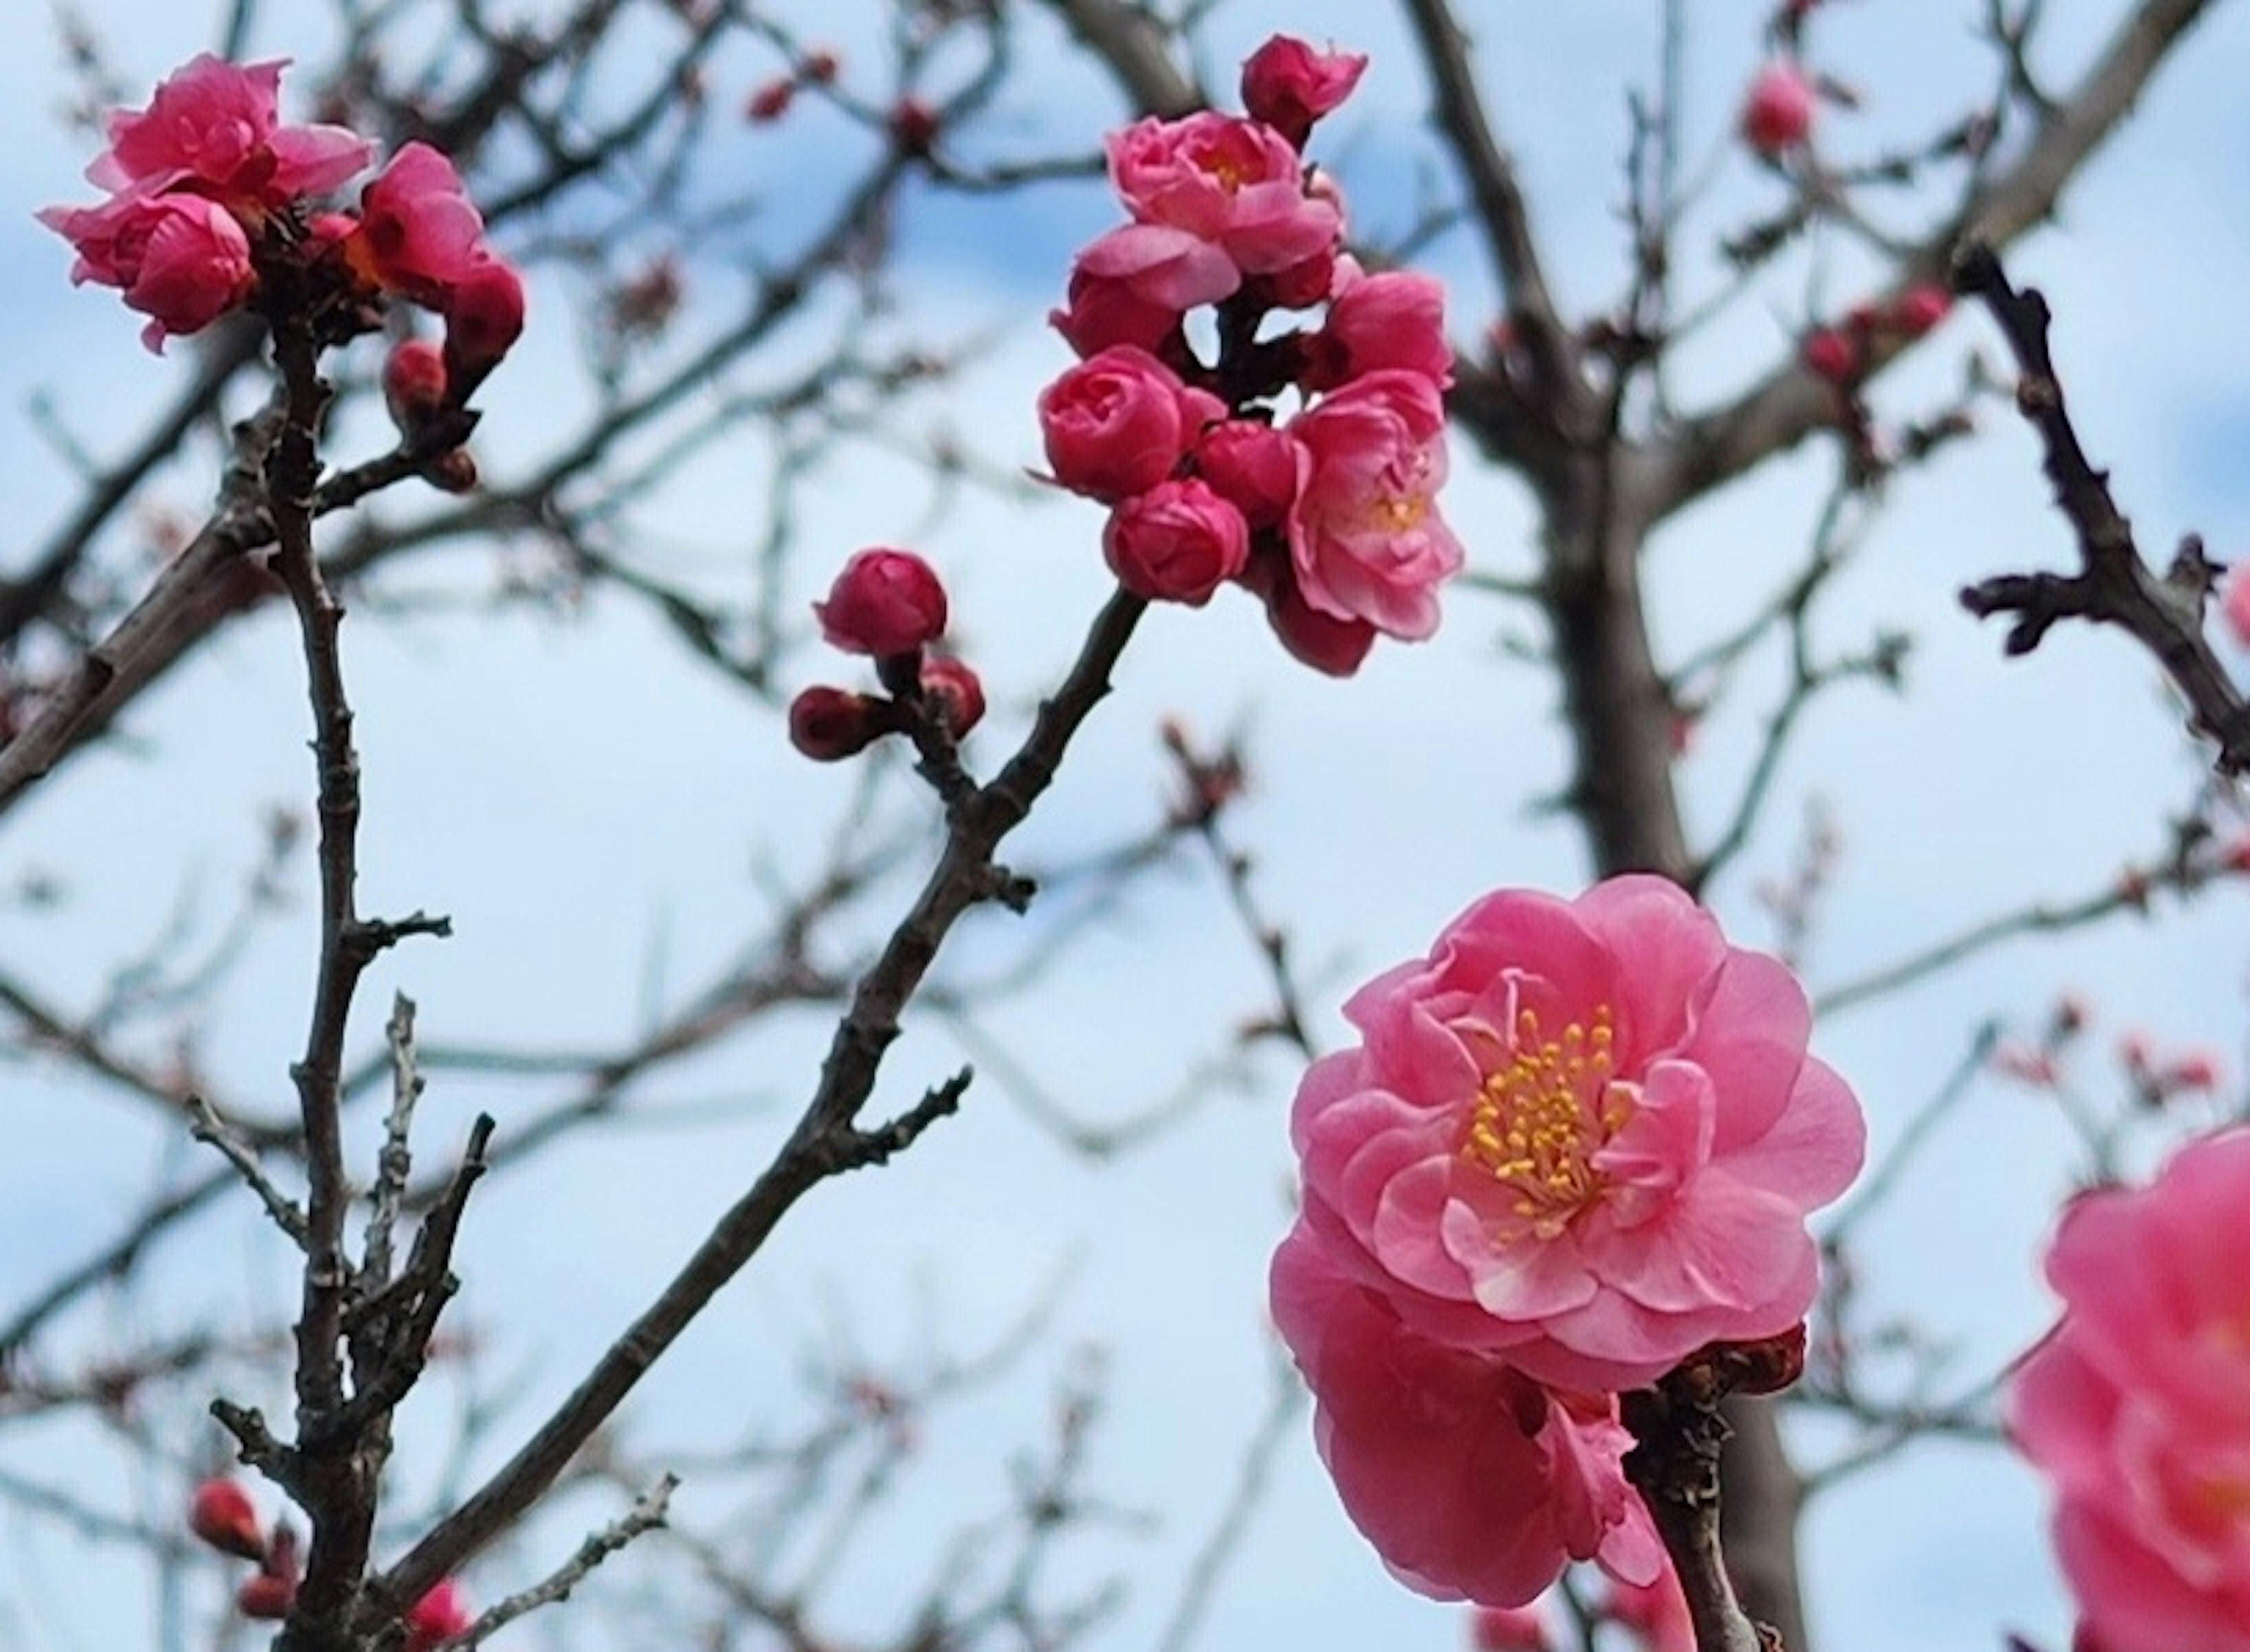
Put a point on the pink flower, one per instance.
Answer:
(215, 124)
(484, 317)
(1509, 1629)
(1472, 1479)
(1778, 114)
(1253, 467)
(2135, 1410)
(1333, 647)
(418, 234)
(1394, 320)
(220, 1513)
(182, 259)
(439, 1615)
(2234, 604)
(1161, 267)
(1288, 85)
(1237, 184)
(1119, 422)
(1655, 1612)
(1178, 542)
(1582, 1136)
(1104, 310)
(1365, 535)
(884, 602)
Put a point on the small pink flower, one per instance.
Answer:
(1288, 85)
(1237, 184)
(1778, 114)
(182, 259)
(1253, 467)
(1581, 1136)
(2135, 1406)
(2234, 604)
(1509, 1629)
(419, 233)
(1472, 1479)
(1655, 1613)
(1394, 320)
(1119, 422)
(1106, 310)
(439, 1615)
(1365, 535)
(215, 124)
(884, 602)
(1178, 542)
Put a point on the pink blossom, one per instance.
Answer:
(220, 1513)
(182, 259)
(1921, 308)
(215, 124)
(1778, 114)
(1509, 1629)
(1365, 535)
(1104, 310)
(419, 233)
(484, 317)
(2134, 1406)
(1655, 1612)
(1236, 184)
(2234, 604)
(1580, 1135)
(829, 725)
(1333, 647)
(1393, 319)
(1119, 422)
(1288, 85)
(439, 1615)
(1161, 267)
(413, 383)
(954, 692)
(1472, 1479)
(1178, 542)
(884, 602)
(1253, 466)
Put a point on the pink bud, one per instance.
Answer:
(1178, 542)
(265, 1595)
(483, 316)
(1105, 311)
(1253, 466)
(1118, 423)
(179, 259)
(1834, 355)
(820, 66)
(413, 383)
(1777, 114)
(438, 1616)
(914, 126)
(954, 693)
(770, 101)
(220, 1513)
(884, 602)
(829, 725)
(1288, 85)
(1921, 310)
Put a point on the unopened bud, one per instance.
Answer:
(954, 694)
(770, 101)
(914, 126)
(884, 603)
(220, 1513)
(452, 471)
(829, 725)
(414, 383)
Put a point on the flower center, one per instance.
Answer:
(1539, 1118)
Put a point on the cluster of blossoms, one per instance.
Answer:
(889, 605)
(2136, 1408)
(220, 1513)
(213, 206)
(1328, 512)
(1575, 1145)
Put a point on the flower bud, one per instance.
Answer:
(1117, 424)
(820, 66)
(1833, 355)
(1253, 466)
(954, 694)
(1921, 310)
(1178, 542)
(452, 471)
(265, 1596)
(1777, 114)
(1103, 311)
(439, 1616)
(770, 101)
(914, 127)
(414, 383)
(829, 725)
(1288, 85)
(884, 602)
(220, 1513)
(483, 316)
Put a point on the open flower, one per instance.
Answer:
(2136, 1408)
(180, 259)
(214, 126)
(1580, 1135)
(1236, 184)
(1473, 1481)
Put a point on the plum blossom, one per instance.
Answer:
(1104, 310)
(418, 234)
(884, 602)
(438, 1616)
(1253, 466)
(215, 126)
(1119, 422)
(1395, 319)
(183, 260)
(1365, 539)
(1579, 1136)
(1178, 542)
(1472, 1479)
(1778, 114)
(1288, 85)
(2135, 1410)
(1235, 183)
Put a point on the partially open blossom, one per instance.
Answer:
(413, 383)
(1178, 542)
(419, 233)
(2234, 604)
(1161, 267)
(1394, 319)
(1472, 1479)
(1253, 466)
(1778, 114)
(2135, 1410)
(954, 692)
(1655, 1613)
(1509, 1629)
(1119, 422)
(214, 126)
(1582, 1136)
(1236, 184)
(1105, 310)
(439, 1616)
(1288, 85)
(829, 725)
(884, 602)
(220, 1513)
(182, 260)
(1365, 535)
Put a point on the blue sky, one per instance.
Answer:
(591, 810)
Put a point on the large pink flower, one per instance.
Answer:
(1237, 184)
(2137, 1409)
(1580, 1135)
(216, 124)
(1365, 535)
(182, 259)
(1473, 1481)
